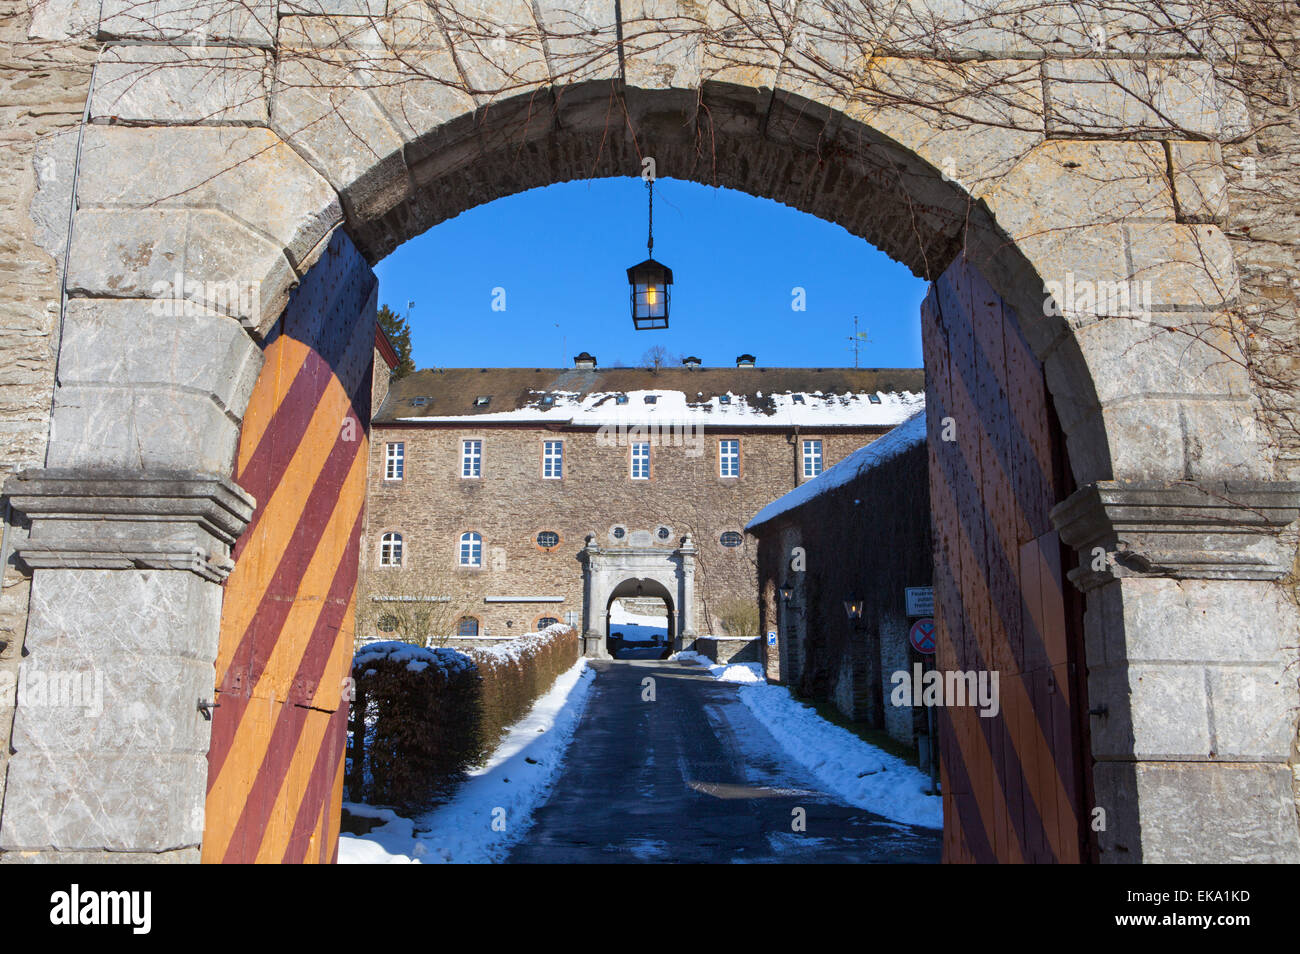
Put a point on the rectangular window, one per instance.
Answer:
(394, 461)
(729, 458)
(812, 458)
(553, 459)
(471, 458)
(641, 461)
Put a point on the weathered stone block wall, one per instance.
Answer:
(896, 655)
(43, 86)
(1258, 187)
(380, 380)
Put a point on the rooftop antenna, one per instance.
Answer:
(859, 338)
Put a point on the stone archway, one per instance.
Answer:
(214, 176)
(611, 572)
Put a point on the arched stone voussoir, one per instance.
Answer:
(499, 47)
(1064, 184)
(322, 109)
(359, 118)
(974, 122)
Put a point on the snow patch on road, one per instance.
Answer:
(723, 672)
(856, 771)
(516, 779)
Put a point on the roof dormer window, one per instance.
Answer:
(483, 400)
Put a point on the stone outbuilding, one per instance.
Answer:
(859, 534)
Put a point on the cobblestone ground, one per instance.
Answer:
(693, 777)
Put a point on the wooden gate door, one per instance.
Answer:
(1016, 786)
(275, 768)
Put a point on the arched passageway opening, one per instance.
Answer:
(640, 620)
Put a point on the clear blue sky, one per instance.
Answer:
(561, 254)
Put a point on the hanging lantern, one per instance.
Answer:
(650, 281)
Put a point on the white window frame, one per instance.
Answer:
(638, 457)
(395, 460)
(471, 458)
(392, 549)
(814, 461)
(726, 457)
(471, 546)
(553, 459)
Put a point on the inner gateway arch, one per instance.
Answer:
(281, 148)
(610, 573)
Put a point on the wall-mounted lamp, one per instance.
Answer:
(854, 609)
(787, 593)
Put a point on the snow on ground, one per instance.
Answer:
(724, 672)
(856, 771)
(636, 628)
(515, 780)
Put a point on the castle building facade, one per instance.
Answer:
(502, 500)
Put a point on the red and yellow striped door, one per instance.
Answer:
(275, 767)
(1016, 787)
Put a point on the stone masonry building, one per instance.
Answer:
(524, 495)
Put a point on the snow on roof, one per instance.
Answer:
(888, 446)
(671, 408)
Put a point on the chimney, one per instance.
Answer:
(691, 362)
(745, 361)
(585, 360)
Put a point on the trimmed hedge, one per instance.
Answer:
(430, 714)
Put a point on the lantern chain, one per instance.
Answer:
(650, 232)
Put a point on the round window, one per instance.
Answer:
(731, 539)
(548, 539)
(387, 623)
(619, 533)
(663, 533)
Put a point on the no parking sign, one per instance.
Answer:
(921, 636)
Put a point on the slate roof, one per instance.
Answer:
(832, 397)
